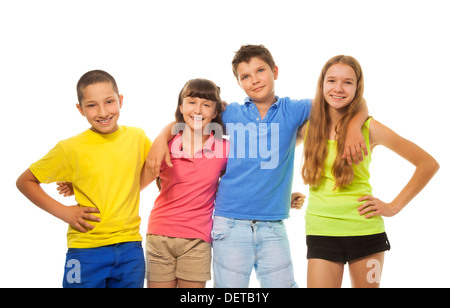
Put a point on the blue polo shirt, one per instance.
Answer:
(258, 181)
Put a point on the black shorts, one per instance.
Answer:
(345, 248)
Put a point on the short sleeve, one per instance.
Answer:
(230, 113)
(298, 109)
(53, 167)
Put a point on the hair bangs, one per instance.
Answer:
(202, 88)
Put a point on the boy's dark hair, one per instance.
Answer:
(93, 77)
(247, 52)
(201, 88)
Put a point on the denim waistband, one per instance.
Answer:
(246, 222)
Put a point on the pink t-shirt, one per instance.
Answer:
(185, 204)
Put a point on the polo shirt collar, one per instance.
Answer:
(249, 101)
(208, 146)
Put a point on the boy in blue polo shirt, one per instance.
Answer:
(253, 197)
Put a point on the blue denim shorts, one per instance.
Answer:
(239, 246)
(119, 265)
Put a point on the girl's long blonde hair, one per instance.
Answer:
(315, 146)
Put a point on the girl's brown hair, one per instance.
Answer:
(315, 146)
(201, 88)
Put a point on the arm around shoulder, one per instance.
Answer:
(159, 151)
(355, 145)
(301, 132)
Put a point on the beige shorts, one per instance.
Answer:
(171, 258)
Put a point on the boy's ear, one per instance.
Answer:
(120, 100)
(275, 72)
(80, 109)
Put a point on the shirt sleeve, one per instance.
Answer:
(299, 109)
(53, 167)
(230, 113)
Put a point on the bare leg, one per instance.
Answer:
(167, 284)
(366, 272)
(180, 283)
(191, 284)
(324, 273)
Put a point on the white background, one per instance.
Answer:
(153, 47)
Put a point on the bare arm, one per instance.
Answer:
(300, 134)
(76, 216)
(159, 151)
(355, 145)
(426, 167)
(146, 176)
(354, 140)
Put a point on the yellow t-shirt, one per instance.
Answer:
(105, 172)
(334, 213)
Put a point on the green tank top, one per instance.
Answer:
(334, 213)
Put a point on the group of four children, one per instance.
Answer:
(242, 214)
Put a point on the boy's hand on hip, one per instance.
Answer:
(78, 217)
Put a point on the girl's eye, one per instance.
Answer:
(260, 70)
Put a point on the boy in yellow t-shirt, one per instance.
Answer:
(104, 164)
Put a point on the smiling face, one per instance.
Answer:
(339, 86)
(198, 112)
(101, 107)
(257, 79)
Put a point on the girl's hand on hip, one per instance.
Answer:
(374, 206)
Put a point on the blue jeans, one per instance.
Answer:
(241, 245)
(119, 265)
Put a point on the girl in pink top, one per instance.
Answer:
(179, 228)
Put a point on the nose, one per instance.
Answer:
(339, 87)
(255, 79)
(198, 108)
(102, 112)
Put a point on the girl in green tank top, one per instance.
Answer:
(341, 207)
